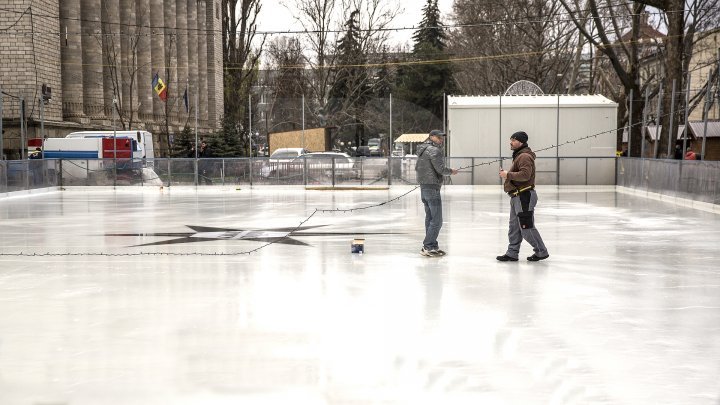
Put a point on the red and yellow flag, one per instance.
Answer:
(160, 87)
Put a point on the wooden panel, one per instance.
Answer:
(316, 140)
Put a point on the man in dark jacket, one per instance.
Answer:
(520, 186)
(430, 169)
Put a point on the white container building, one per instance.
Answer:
(480, 127)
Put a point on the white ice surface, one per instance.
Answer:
(625, 311)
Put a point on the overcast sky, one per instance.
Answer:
(276, 17)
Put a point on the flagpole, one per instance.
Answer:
(196, 126)
(250, 121)
(196, 138)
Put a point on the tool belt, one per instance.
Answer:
(519, 191)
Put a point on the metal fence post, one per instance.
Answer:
(26, 163)
(557, 142)
(657, 122)
(250, 162)
(672, 121)
(687, 122)
(362, 170)
(389, 171)
(708, 95)
(472, 171)
(630, 127)
(42, 117)
(23, 129)
(333, 172)
(644, 125)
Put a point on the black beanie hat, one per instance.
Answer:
(520, 136)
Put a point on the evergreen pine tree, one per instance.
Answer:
(424, 84)
(183, 143)
(351, 76)
(384, 77)
(350, 90)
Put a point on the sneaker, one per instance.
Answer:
(429, 253)
(506, 258)
(439, 252)
(536, 258)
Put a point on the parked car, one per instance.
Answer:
(281, 162)
(362, 151)
(320, 164)
(374, 145)
(288, 153)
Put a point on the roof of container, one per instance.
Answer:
(411, 138)
(546, 100)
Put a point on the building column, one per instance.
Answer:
(111, 54)
(215, 64)
(157, 45)
(202, 59)
(92, 58)
(129, 60)
(192, 51)
(72, 60)
(182, 58)
(171, 47)
(145, 71)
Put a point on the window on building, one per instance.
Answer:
(217, 11)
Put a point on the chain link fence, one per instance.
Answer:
(697, 180)
(20, 175)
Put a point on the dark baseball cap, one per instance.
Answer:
(436, 132)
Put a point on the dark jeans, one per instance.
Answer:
(430, 196)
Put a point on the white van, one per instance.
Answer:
(144, 140)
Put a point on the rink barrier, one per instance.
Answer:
(694, 183)
(304, 221)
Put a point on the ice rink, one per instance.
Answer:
(625, 311)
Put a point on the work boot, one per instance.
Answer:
(429, 253)
(536, 258)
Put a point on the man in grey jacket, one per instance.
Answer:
(430, 169)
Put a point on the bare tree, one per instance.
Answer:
(620, 43)
(324, 19)
(506, 41)
(673, 60)
(168, 105)
(120, 51)
(319, 18)
(702, 19)
(240, 57)
(287, 81)
(603, 31)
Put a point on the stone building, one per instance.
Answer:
(91, 52)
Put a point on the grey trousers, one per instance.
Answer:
(430, 196)
(517, 232)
